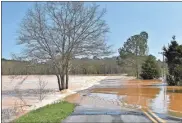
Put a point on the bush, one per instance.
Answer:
(150, 69)
(170, 80)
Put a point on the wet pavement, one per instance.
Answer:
(121, 100)
(104, 114)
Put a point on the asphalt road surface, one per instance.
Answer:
(94, 107)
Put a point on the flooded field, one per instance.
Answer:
(28, 91)
(164, 100)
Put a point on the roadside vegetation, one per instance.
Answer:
(173, 54)
(134, 52)
(150, 68)
(134, 57)
(52, 113)
(135, 60)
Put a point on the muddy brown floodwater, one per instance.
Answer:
(166, 100)
(147, 94)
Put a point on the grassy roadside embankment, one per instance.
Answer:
(50, 113)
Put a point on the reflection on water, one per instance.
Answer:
(160, 99)
(160, 103)
(105, 96)
(174, 91)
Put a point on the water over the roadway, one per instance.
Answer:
(151, 94)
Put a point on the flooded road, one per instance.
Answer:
(127, 100)
(150, 94)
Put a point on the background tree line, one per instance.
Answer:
(79, 66)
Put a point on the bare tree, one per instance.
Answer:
(19, 104)
(56, 32)
(41, 89)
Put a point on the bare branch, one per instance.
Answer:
(55, 32)
(41, 89)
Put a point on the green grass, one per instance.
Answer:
(50, 113)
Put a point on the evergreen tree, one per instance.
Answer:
(150, 68)
(173, 54)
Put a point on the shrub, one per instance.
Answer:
(170, 80)
(150, 69)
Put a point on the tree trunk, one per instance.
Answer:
(137, 72)
(67, 71)
(59, 85)
(62, 81)
(67, 77)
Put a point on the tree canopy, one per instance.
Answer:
(59, 31)
(134, 51)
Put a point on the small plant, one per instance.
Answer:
(41, 89)
(19, 95)
(20, 103)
